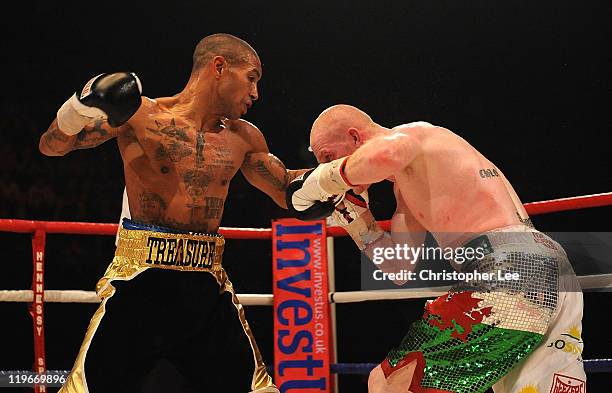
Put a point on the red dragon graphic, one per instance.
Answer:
(455, 310)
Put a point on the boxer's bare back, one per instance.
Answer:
(450, 189)
(442, 184)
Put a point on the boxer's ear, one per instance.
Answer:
(219, 64)
(354, 133)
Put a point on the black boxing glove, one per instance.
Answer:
(308, 210)
(113, 97)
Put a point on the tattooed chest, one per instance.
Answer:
(197, 157)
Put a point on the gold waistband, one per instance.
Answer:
(170, 250)
(138, 250)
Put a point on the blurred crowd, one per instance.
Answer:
(34, 186)
(86, 185)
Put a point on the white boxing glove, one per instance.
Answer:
(325, 183)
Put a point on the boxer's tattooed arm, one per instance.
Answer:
(294, 173)
(269, 169)
(55, 142)
(92, 136)
(54, 135)
(267, 173)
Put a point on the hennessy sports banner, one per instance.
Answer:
(301, 309)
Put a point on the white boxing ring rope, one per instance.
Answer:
(596, 281)
(601, 281)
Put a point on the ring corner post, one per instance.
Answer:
(37, 306)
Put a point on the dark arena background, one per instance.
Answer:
(525, 82)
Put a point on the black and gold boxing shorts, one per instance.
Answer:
(169, 321)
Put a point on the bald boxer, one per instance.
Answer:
(170, 320)
(488, 332)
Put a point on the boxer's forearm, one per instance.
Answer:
(94, 115)
(56, 143)
(266, 172)
(380, 158)
(279, 195)
(292, 174)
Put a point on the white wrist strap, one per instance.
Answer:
(331, 179)
(72, 116)
(364, 230)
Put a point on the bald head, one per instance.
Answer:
(335, 121)
(233, 49)
(338, 126)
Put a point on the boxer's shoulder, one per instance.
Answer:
(243, 127)
(414, 126)
(160, 113)
(148, 104)
(148, 107)
(425, 133)
(158, 105)
(247, 131)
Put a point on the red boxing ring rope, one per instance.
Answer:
(39, 229)
(94, 228)
(91, 228)
(533, 208)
